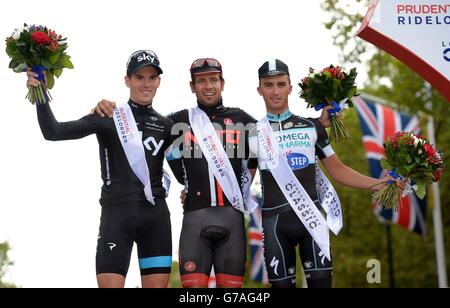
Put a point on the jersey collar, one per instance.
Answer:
(212, 110)
(138, 107)
(279, 117)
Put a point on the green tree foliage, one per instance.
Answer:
(4, 263)
(363, 237)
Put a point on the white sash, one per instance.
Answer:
(219, 162)
(329, 201)
(247, 188)
(131, 141)
(294, 192)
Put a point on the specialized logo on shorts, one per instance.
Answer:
(190, 266)
(274, 263)
(291, 270)
(228, 121)
(309, 264)
(111, 245)
(322, 256)
(297, 161)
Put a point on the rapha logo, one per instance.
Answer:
(145, 57)
(274, 263)
(111, 246)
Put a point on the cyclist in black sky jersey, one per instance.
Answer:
(304, 142)
(132, 210)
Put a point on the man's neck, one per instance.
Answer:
(143, 105)
(278, 111)
(211, 107)
(277, 116)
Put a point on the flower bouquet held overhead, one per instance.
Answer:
(331, 87)
(41, 50)
(411, 156)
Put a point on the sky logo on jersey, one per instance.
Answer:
(297, 161)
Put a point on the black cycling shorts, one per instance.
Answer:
(213, 236)
(142, 223)
(283, 231)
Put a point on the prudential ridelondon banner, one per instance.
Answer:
(417, 33)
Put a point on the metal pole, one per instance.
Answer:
(390, 257)
(437, 220)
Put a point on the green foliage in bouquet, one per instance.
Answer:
(331, 84)
(42, 50)
(413, 157)
(333, 87)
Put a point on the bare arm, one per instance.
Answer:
(347, 176)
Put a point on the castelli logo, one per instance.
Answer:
(190, 266)
(227, 121)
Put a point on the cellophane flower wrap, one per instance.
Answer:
(412, 156)
(331, 86)
(44, 52)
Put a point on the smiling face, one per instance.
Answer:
(208, 88)
(275, 90)
(143, 85)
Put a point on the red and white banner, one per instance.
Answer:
(415, 32)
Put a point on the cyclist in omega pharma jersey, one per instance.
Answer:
(303, 141)
(213, 231)
(132, 200)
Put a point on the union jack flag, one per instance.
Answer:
(378, 122)
(257, 269)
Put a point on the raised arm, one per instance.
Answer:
(54, 130)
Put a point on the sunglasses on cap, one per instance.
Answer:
(205, 62)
